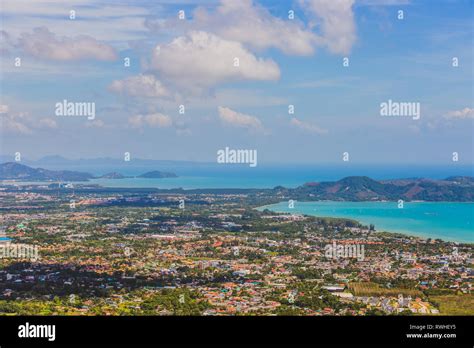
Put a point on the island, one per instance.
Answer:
(113, 175)
(155, 174)
(20, 172)
(16, 171)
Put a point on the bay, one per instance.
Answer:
(448, 221)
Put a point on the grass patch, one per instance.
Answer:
(374, 289)
(454, 304)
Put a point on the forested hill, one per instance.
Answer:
(362, 188)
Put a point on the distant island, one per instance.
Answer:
(157, 174)
(113, 175)
(16, 171)
(20, 172)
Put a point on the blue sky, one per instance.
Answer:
(282, 62)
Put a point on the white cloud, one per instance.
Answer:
(139, 86)
(44, 44)
(308, 127)
(254, 25)
(332, 25)
(336, 20)
(201, 60)
(466, 113)
(152, 120)
(236, 119)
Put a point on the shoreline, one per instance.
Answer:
(408, 233)
(91, 182)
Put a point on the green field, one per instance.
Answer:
(373, 289)
(454, 304)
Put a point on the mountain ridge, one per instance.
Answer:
(363, 188)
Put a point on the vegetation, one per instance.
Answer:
(462, 304)
(373, 289)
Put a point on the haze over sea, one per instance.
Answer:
(210, 175)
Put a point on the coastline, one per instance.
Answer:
(462, 225)
(391, 230)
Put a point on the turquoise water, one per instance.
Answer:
(444, 220)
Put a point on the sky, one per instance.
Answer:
(206, 75)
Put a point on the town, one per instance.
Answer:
(176, 252)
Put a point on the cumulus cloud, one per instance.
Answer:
(192, 64)
(336, 20)
(200, 60)
(152, 120)
(44, 44)
(139, 86)
(216, 46)
(254, 25)
(466, 113)
(308, 127)
(332, 25)
(237, 119)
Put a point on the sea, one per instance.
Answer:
(444, 220)
(211, 175)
